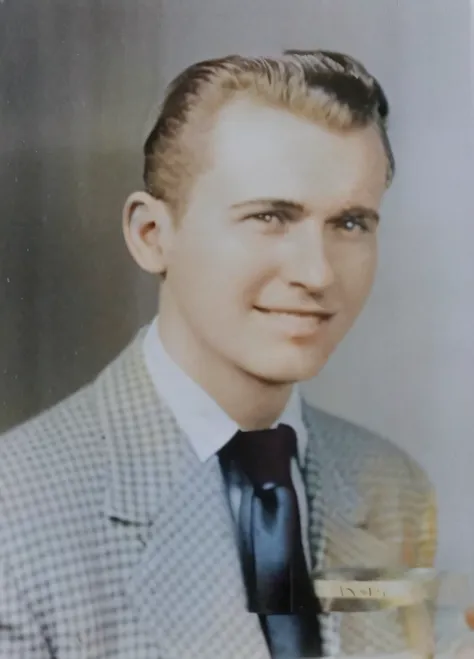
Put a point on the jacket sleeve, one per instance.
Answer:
(428, 532)
(421, 532)
(20, 633)
(420, 551)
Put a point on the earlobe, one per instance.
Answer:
(145, 228)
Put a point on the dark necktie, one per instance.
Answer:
(276, 576)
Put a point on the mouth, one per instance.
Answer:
(322, 314)
(298, 323)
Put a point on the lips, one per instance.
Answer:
(303, 313)
(296, 323)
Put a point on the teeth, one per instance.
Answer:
(294, 313)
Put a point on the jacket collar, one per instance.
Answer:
(143, 441)
(148, 452)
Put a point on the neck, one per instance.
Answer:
(251, 402)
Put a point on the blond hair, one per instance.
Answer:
(326, 87)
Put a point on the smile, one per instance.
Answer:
(296, 323)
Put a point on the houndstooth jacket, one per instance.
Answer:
(116, 541)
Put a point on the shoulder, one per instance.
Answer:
(48, 438)
(48, 464)
(356, 449)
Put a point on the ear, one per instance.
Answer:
(147, 228)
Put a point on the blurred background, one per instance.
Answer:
(80, 85)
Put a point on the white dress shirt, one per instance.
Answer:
(209, 428)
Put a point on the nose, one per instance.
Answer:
(310, 265)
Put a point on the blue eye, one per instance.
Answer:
(351, 224)
(271, 216)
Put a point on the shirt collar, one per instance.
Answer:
(206, 424)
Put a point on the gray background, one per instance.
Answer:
(79, 87)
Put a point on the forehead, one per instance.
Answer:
(264, 152)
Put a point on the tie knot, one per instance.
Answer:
(264, 456)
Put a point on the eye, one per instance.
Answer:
(271, 217)
(352, 224)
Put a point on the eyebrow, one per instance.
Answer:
(359, 211)
(287, 204)
(270, 203)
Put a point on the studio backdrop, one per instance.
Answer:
(80, 84)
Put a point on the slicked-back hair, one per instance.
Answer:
(330, 88)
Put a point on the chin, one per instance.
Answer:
(288, 369)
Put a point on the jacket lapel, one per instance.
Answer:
(342, 533)
(186, 586)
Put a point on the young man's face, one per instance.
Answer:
(276, 254)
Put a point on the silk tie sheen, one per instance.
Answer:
(275, 572)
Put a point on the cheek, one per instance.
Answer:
(220, 277)
(355, 273)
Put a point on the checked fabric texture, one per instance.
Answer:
(116, 542)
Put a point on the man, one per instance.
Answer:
(177, 505)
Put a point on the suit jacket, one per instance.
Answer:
(116, 541)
